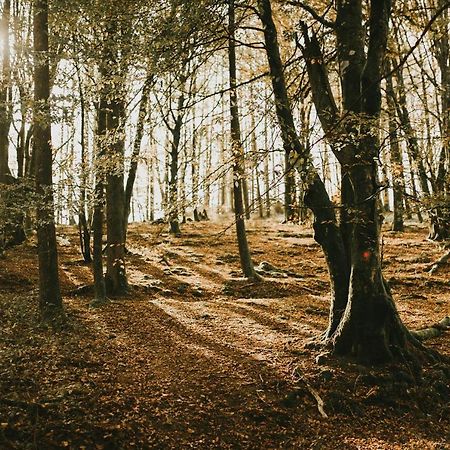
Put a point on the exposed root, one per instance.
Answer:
(434, 331)
(264, 268)
(98, 303)
(442, 261)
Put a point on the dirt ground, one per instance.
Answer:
(197, 357)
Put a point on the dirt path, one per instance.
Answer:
(196, 357)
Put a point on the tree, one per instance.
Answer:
(50, 300)
(112, 100)
(364, 322)
(237, 151)
(395, 155)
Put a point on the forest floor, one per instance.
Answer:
(197, 357)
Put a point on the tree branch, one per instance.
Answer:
(313, 13)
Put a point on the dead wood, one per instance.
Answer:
(442, 261)
(434, 331)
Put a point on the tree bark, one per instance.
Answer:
(116, 279)
(238, 154)
(99, 203)
(50, 301)
(395, 156)
(143, 106)
(5, 96)
(326, 229)
(83, 227)
(174, 224)
(113, 94)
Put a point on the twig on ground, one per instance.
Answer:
(320, 404)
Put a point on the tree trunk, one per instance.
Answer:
(174, 224)
(326, 229)
(99, 203)
(83, 228)
(5, 96)
(50, 301)
(409, 133)
(151, 182)
(116, 279)
(395, 156)
(370, 329)
(238, 154)
(266, 167)
(113, 99)
(440, 214)
(143, 105)
(289, 191)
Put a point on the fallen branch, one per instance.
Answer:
(433, 268)
(269, 270)
(434, 331)
(312, 391)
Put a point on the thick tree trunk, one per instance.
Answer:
(116, 279)
(366, 325)
(112, 98)
(370, 329)
(50, 301)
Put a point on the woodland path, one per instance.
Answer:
(195, 357)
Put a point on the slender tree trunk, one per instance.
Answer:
(409, 133)
(289, 190)
(151, 181)
(237, 151)
(266, 167)
(99, 204)
(50, 301)
(5, 96)
(255, 158)
(395, 156)
(174, 224)
(143, 106)
(83, 228)
(21, 142)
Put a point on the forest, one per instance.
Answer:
(224, 224)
